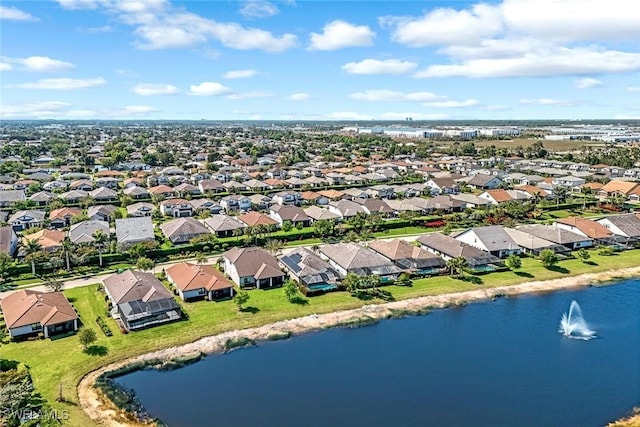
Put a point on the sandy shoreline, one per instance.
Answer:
(103, 412)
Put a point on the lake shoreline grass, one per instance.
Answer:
(60, 365)
(94, 404)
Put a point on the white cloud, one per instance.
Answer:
(588, 83)
(258, 9)
(252, 94)
(62, 84)
(209, 89)
(341, 34)
(239, 74)
(15, 14)
(160, 25)
(298, 97)
(453, 104)
(414, 116)
(127, 73)
(45, 64)
(633, 89)
(545, 101)
(391, 95)
(376, 66)
(5, 66)
(33, 110)
(543, 63)
(347, 115)
(149, 89)
(445, 26)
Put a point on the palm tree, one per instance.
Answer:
(67, 247)
(100, 239)
(201, 258)
(457, 265)
(32, 248)
(237, 232)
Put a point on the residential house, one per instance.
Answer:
(9, 198)
(250, 267)
(193, 281)
(332, 195)
(200, 205)
(449, 248)
(103, 194)
(346, 208)
(492, 238)
(23, 219)
(294, 214)
(408, 257)
(376, 206)
(41, 198)
(27, 312)
(85, 185)
(619, 188)
(353, 258)
(83, 232)
(49, 240)
(495, 197)
(380, 192)
(8, 240)
(589, 228)
(176, 208)
(130, 231)
(355, 193)
(139, 300)
(568, 181)
(224, 226)
(471, 200)
(484, 182)
(73, 197)
(534, 245)
(185, 189)
(136, 193)
(236, 202)
(314, 274)
(260, 201)
(444, 203)
(162, 191)
(107, 182)
(443, 185)
(234, 186)
(624, 225)
(287, 198)
(317, 213)
(313, 198)
(557, 235)
(61, 217)
(253, 218)
(256, 185)
(101, 212)
(140, 209)
(183, 230)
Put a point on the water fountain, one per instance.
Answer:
(573, 324)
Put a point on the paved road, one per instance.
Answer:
(76, 283)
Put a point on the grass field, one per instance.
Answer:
(62, 362)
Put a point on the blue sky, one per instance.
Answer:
(314, 60)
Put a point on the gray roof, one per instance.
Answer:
(36, 216)
(254, 262)
(348, 208)
(493, 237)
(100, 209)
(318, 213)
(290, 213)
(629, 224)
(309, 267)
(470, 198)
(533, 243)
(133, 230)
(82, 232)
(454, 248)
(481, 179)
(135, 286)
(11, 196)
(358, 259)
(6, 235)
(406, 255)
(183, 227)
(223, 223)
(553, 234)
(41, 196)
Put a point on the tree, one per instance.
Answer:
(351, 282)
(100, 239)
(54, 285)
(32, 248)
(87, 337)
(201, 258)
(144, 263)
(290, 289)
(549, 258)
(404, 279)
(5, 262)
(286, 226)
(514, 262)
(274, 246)
(456, 266)
(324, 228)
(583, 255)
(240, 299)
(299, 225)
(67, 248)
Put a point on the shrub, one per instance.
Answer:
(106, 330)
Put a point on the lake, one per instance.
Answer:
(498, 363)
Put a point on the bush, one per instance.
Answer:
(605, 251)
(106, 330)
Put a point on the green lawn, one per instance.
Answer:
(62, 361)
(402, 231)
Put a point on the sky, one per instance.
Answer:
(319, 60)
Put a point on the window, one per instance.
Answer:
(36, 326)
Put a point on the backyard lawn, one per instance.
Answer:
(61, 361)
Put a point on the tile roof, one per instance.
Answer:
(187, 276)
(26, 307)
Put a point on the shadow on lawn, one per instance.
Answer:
(523, 274)
(97, 350)
(252, 310)
(559, 269)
